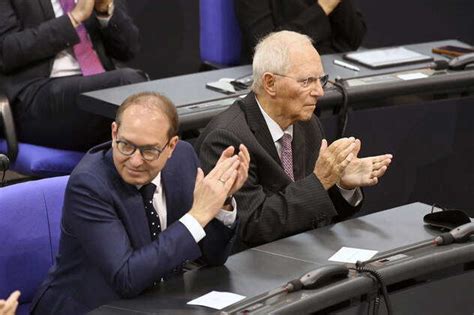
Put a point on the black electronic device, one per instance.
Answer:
(461, 62)
(447, 219)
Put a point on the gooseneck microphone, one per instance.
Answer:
(310, 280)
(459, 234)
(456, 235)
(439, 65)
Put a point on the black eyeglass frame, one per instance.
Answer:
(306, 82)
(141, 149)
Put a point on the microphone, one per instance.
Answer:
(456, 235)
(4, 163)
(439, 65)
(310, 280)
(317, 277)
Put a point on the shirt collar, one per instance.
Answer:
(275, 129)
(156, 181)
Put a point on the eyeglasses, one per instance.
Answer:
(323, 80)
(148, 153)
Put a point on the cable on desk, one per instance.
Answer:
(383, 288)
(343, 114)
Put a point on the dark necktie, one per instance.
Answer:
(84, 51)
(287, 155)
(147, 192)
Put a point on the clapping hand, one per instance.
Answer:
(362, 172)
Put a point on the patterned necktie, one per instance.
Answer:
(147, 192)
(84, 51)
(287, 155)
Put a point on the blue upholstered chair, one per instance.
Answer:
(220, 37)
(30, 216)
(29, 159)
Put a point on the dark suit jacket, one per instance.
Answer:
(31, 37)
(106, 252)
(342, 30)
(271, 206)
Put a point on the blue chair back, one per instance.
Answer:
(220, 37)
(30, 215)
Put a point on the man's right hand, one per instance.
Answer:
(333, 160)
(83, 10)
(211, 191)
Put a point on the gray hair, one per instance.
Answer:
(272, 54)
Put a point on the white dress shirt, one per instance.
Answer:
(65, 63)
(159, 203)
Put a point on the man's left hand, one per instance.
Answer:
(362, 172)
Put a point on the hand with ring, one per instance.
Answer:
(211, 191)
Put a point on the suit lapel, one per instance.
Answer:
(168, 181)
(258, 125)
(134, 217)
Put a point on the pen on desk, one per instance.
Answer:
(345, 65)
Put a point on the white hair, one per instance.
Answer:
(272, 54)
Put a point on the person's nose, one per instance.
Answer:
(136, 159)
(317, 89)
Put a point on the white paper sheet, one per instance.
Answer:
(217, 300)
(352, 255)
(412, 76)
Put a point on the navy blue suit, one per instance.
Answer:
(106, 252)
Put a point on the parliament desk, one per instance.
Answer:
(431, 280)
(197, 105)
(425, 123)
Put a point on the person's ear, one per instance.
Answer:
(172, 145)
(114, 131)
(269, 83)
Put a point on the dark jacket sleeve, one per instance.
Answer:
(21, 46)
(344, 27)
(347, 26)
(121, 37)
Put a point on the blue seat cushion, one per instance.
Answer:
(41, 161)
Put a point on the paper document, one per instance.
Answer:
(412, 76)
(217, 300)
(352, 255)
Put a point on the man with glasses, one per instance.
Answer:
(296, 180)
(138, 209)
